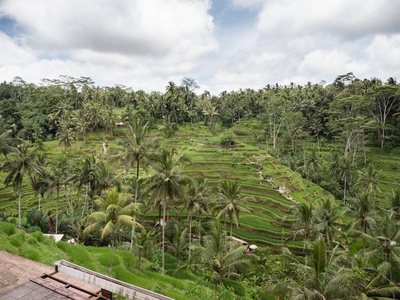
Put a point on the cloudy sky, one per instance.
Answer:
(223, 44)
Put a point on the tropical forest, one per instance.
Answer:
(286, 192)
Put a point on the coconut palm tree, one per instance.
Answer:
(305, 223)
(327, 219)
(81, 122)
(143, 243)
(361, 210)
(197, 192)
(325, 278)
(179, 242)
(55, 180)
(230, 201)
(218, 255)
(368, 180)
(22, 162)
(394, 200)
(137, 147)
(65, 136)
(384, 241)
(166, 185)
(112, 215)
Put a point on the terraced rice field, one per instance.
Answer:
(271, 222)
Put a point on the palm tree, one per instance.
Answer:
(81, 123)
(218, 255)
(230, 201)
(167, 127)
(179, 242)
(394, 200)
(346, 170)
(325, 278)
(167, 183)
(55, 180)
(85, 176)
(326, 219)
(384, 241)
(137, 148)
(22, 162)
(197, 192)
(6, 141)
(361, 210)
(112, 215)
(65, 136)
(143, 243)
(305, 222)
(368, 179)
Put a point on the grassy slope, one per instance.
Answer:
(43, 249)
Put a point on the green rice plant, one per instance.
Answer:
(38, 235)
(105, 260)
(31, 254)
(8, 228)
(17, 239)
(127, 257)
(79, 255)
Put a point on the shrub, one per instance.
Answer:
(8, 228)
(228, 138)
(31, 254)
(37, 218)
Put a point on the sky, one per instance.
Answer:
(224, 45)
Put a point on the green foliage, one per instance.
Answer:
(8, 228)
(17, 239)
(31, 253)
(38, 219)
(228, 138)
(235, 286)
(105, 260)
(39, 236)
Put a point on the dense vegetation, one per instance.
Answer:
(306, 173)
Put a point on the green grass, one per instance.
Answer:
(37, 247)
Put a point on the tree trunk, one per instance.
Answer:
(112, 251)
(163, 238)
(199, 227)
(136, 196)
(190, 229)
(58, 192)
(19, 205)
(231, 227)
(216, 289)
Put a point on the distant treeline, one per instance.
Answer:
(350, 109)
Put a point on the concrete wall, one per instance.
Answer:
(105, 282)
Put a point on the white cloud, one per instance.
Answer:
(384, 55)
(247, 3)
(151, 39)
(346, 19)
(128, 27)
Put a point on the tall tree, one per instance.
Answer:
(230, 201)
(197, 192)
(167, 183)
(22, 162)
(112, 215)
(218, 255)
(384, 99)
(137, 147)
